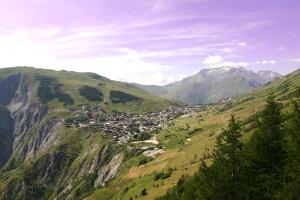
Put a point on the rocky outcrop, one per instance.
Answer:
(24, 120)
(102, 168)
(24, 114)
(45, 138)
(109, 171)
(56, 168)
(103, 158)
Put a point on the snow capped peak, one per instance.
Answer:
(269, 74)
(225, 69)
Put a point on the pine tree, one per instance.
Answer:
(269, 154)
(295, 120)
(223, 178)
(292, 172)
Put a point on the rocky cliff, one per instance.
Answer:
(47, 160)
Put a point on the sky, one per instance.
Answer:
(150, 41)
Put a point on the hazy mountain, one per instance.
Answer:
(269, 74)
(210, 85)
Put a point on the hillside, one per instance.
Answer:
(188, 140)
(266, 161)
(212, 85)
(46, 157)
(69, 85)
(41, 156)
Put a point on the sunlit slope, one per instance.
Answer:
(187, 140)
(69, 84)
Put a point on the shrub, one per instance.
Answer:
(144, 136)
(144, 160)
(144, 192)
(163, 175)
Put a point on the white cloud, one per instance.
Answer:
(280, 48)
(227, 50)
(273, 62)
(109, 50)
(242, 44)
(22, 49)
(295, 60)
(218, 61)
(212, 60)
(240, 64)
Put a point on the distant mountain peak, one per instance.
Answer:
(214, 84)
(269, 74)
(226, 68)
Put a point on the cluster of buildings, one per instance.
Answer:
(123, 127)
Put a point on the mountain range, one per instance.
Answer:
(212, 85)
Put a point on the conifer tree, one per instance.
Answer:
(224, 176)
(292, 172)
(269, 154)
(295, 120)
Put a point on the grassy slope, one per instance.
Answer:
(72, 81)
(80, 141)
(181, 153)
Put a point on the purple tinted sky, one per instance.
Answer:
(150, 41)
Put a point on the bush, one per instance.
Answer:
(144, 192)
(144, 136)
(144, 160)
(163, 175)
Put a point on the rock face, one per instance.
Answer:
(21, 113)
(45, 138)
(50, 161)
(109, 171)
(24, 120)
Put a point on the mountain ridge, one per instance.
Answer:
(212, 85)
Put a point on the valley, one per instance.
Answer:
(149, 100)
(103, 149)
